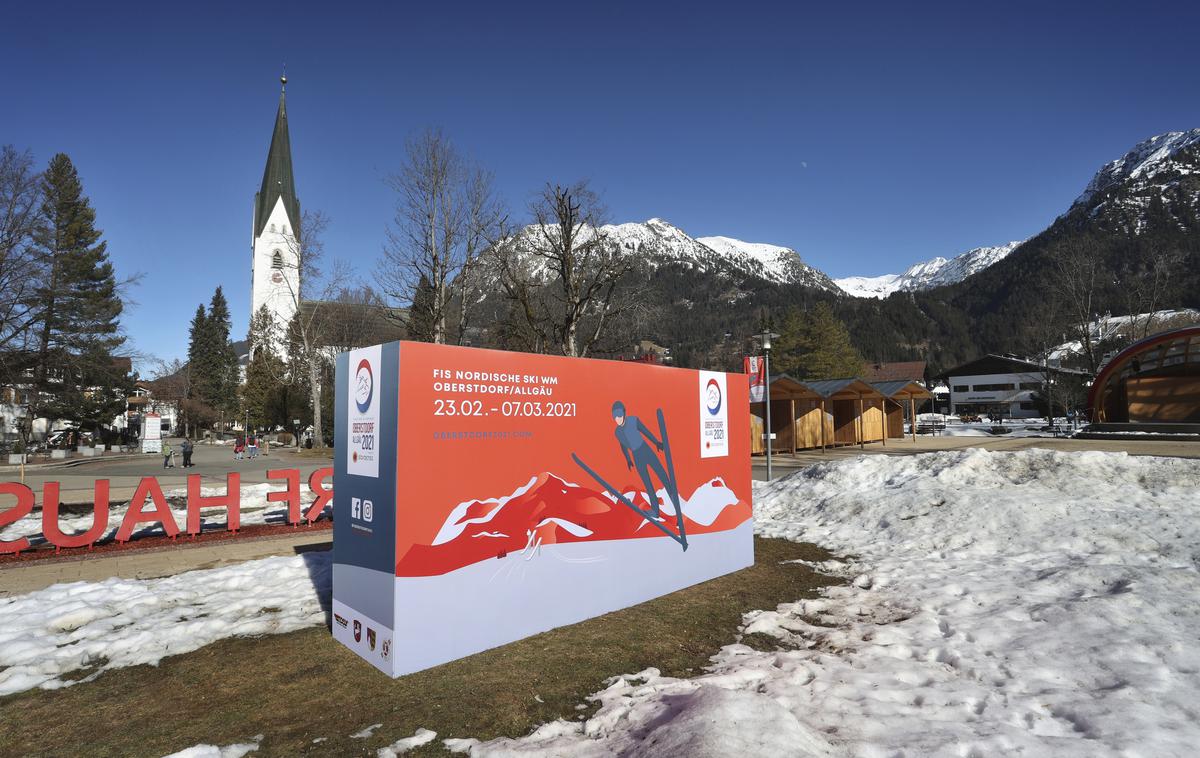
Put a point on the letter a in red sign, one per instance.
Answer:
(148, 487)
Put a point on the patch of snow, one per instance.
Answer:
(212, 751)
(362, 734)
(1033, 603)
(419, 738)
(98, 626)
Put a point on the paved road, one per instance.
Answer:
(212, 462)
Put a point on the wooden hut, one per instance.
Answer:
(900, 398)
(856, 409)
(796, 417)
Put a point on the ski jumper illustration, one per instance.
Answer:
(635, 440)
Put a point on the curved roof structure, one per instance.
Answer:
(1170, 358)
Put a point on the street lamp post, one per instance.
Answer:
(766, 338)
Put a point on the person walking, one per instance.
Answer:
(168, 455)
(252, 445)
(239, 447)
(186, 448)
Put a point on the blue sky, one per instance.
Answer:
(865, 137)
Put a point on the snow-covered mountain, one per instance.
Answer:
(1153, 161)
(927, 274)
(1155, 182)
(777, 264)
(656, 243)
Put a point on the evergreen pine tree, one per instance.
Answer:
(825, 350)
(78, 308)
(197, 333)
(264, 394)
(214, 364)
(421, 312)
(785, 355)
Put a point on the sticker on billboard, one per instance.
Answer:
(362, 408)
(714, 415)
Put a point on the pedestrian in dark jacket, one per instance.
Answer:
(186, 447)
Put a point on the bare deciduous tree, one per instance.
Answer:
(446, 215)
(562, 274)
(1144, 288)
(311, 293)
(19, 197)
(1078, 277)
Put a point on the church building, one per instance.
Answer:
(275, 243)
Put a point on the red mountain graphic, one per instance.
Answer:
(549, 510)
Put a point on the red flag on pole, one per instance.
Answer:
(756, 369)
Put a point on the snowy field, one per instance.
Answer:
(1022, 427)
(1027, 603)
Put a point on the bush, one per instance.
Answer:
(19, 446)
(284, 438)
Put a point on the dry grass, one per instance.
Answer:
(296, 687)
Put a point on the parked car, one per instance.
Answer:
(62, 437)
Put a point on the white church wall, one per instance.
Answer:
(278, 289)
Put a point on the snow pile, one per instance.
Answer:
(254, 510)
(90, 627)
(212, 751)
(1035, 603)
(419, 738)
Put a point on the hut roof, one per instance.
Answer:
(784, 387)
(829, 387)
(891, 372)
(901, 388)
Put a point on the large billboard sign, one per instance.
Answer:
(484, 496)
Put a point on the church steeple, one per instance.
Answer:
(275, 249)
(278, 181)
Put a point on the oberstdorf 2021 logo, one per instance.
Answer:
(364, 386)
(713, 397)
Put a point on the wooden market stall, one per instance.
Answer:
(856, 408)
(900, 399)
(795, 418)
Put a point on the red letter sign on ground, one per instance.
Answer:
(23, 508)
(50, 517)
(316, 483)
(483, 496)
(231, 500)
(291, 495)
(136, 515)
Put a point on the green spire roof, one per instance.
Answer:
(278, 180)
